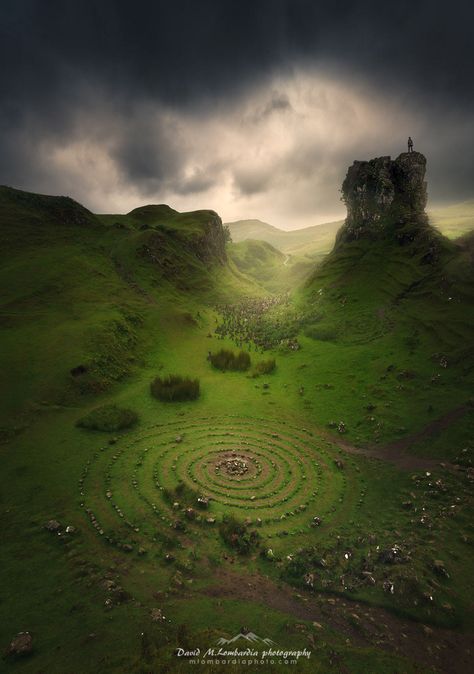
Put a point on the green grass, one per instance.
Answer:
(266, 366)
(225, 360)
(125, 304)
(175, 388)
(108, 418)
(267, 266)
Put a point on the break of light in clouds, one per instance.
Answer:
(278, 152)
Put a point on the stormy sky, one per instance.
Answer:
(252, 108)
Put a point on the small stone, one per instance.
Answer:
(368, 577)
(190, 513)
(390, 556)
(439, 568)
(53, 526)
(388, 586)
(156, 615)
(20, 645)
(109, 585)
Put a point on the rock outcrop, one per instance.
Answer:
(383, 195)
(210, 244)
(197, 238)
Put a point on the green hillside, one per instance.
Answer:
(383, 302)
(85, 291)
(273, 270)
(316, 488)
(311, 241)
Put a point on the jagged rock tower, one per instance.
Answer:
(383, 196)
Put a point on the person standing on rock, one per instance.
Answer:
(410, 144)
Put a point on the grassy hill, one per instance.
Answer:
(404, 312)
(86, 291)
(322, 498)
(311, 241)
(273, 270)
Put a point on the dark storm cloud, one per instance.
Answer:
(188, 50)
(110, 72)
(147, 148)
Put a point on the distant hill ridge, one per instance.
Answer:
(309, 240)
(453, 221)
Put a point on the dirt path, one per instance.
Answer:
(396, 452)
(432, 428)
(446, 651)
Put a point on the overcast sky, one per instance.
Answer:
(254, 108)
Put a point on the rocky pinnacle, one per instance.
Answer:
(383, 194)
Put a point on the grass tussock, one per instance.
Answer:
(266, 366)
(175, 388)
(228, 360)
(237, 535)
(182, 494)
(108, 418)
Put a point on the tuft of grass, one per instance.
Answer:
(175, 388)
(266, 366)
(323, 333)
(237, 535)
(228, 360)
(108, 418)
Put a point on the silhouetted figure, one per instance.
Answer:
(410, 144)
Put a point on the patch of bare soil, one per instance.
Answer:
(396, 452)
(443, 650)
